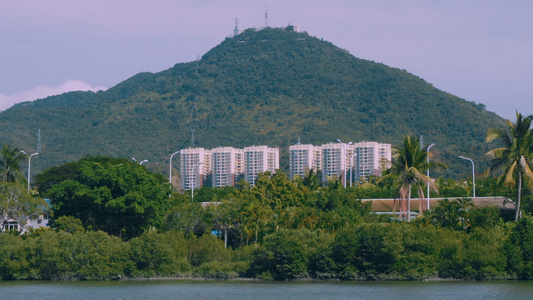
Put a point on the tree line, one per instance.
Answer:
(112, 218)
(367, 251)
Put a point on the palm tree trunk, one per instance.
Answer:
(409, 204)
(421, 202)
(517, 213)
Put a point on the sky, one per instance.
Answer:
(479, 50)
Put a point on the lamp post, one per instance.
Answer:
(473, 176)
(170, 169)
(351, 169)
(427, 154)
(344, 160)
(197, 165)
(29, 166)
(140, 163)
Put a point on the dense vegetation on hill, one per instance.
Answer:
(268, 87)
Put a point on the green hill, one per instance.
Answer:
(265, 87)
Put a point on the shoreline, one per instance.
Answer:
(250, 279)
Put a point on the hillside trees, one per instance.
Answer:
(232, 96)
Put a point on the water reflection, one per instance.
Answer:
(265, 290)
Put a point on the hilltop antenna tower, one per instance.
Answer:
(197, 62)
(192, 137)
(39, 140)
(236, 30)
(266, 16)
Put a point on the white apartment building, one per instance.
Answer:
(304, 158)
(258, 159)
(195, 164)
(227, 163)
(372, 158)
(334, 160)
(357, 161)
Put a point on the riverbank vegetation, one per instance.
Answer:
(280, 229)
(113, 219)
(367, 251)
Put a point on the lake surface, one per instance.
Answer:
(265, 290)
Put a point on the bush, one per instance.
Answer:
(368, 251)
(520, 248)
(285, 254)
(159, 254)
(13, 263)
(221, 269)
(476, 255)
(204, 249)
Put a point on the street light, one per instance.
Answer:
(351, 169)
(193, 180)
(428, 169)
(473, 176)
(29, 166)
(344, 160)
(170, 169)
(140, 162)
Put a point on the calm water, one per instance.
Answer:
(254, 290)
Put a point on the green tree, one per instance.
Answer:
(408, 165)
(68, 224)
(277, 191)
(368, 251)
(451, 214)
(45, 254)
(285, 254)
(95, 255)
(123, 199)
(520, 248)
(10, 159)
(16, 204)
(13, 263)
(187, 217)
(515, 155)
(160, 254)
(475, 256)
(205, 249)
(417, 254)
(312, 179)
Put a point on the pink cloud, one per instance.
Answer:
(41, 91)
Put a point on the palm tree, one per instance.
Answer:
(312, 179)
(10, 159)
(515, 155)
(408, 166)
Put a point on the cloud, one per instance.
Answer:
(42, 91)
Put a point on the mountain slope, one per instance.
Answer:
(261, 87)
